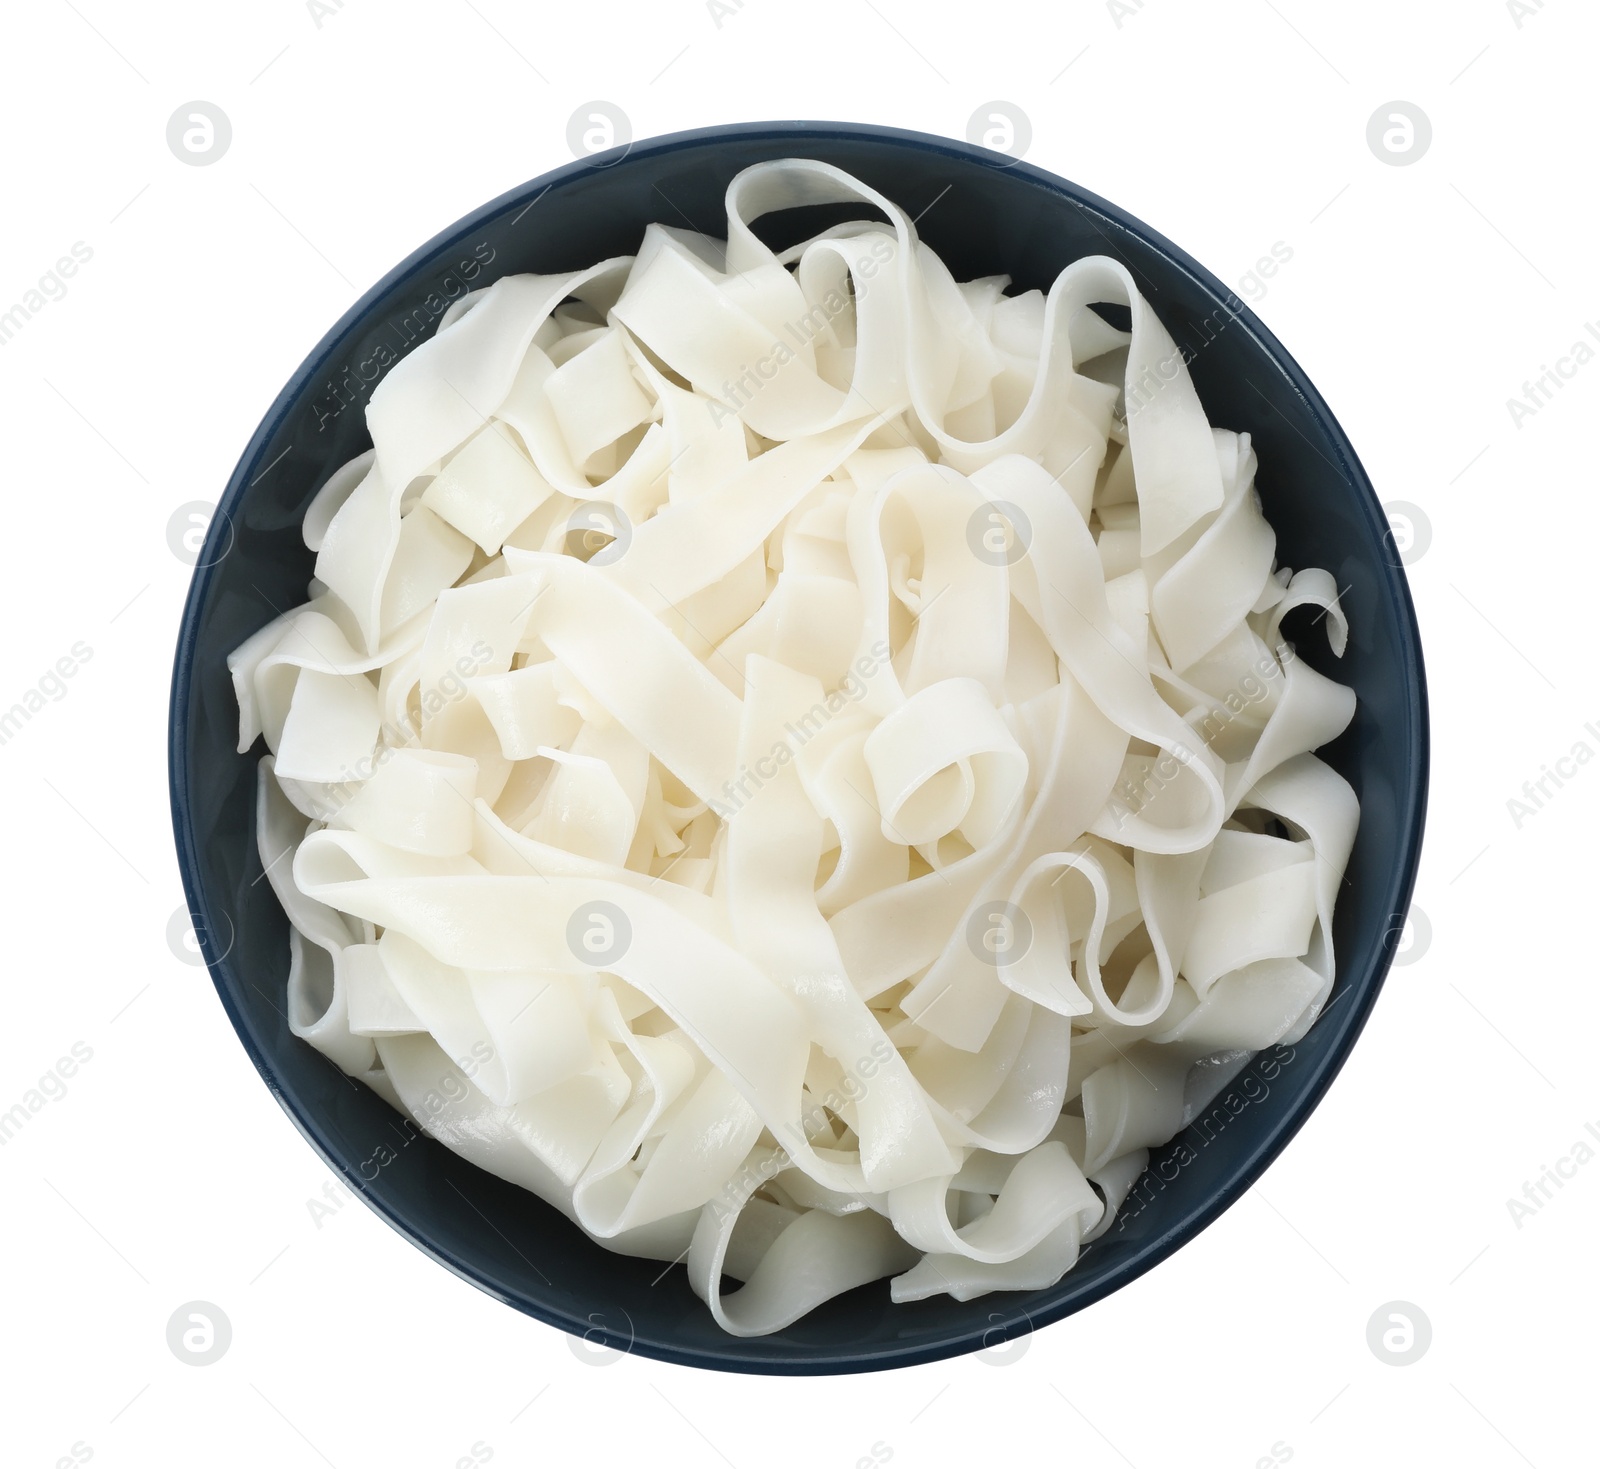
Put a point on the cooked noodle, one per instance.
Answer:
(792, 759)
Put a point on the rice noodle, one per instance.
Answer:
(792, 758)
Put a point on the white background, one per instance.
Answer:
(1419, 298)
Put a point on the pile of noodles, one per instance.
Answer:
(791, 757)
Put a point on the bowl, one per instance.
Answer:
(985, 214)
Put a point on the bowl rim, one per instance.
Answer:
(744, 1354)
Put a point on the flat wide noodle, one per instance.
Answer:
(792, 758)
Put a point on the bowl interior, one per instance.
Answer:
(985, 217)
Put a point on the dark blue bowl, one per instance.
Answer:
(992, 216)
